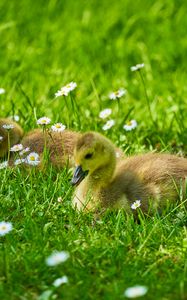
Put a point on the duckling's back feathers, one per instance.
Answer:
(155, 167)
(158, 176)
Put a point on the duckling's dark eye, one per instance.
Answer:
(88, 156)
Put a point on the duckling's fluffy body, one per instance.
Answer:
(15, 135)
(152, 178)
(59, 145)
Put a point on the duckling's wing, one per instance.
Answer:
(161, 174)
(157, 167)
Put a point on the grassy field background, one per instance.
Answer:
(44, 45)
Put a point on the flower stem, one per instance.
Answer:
(8, 132)
(5, 262)
(118, 101)
(147, 98)
(45, 154)
(68, 122)
(75, 109)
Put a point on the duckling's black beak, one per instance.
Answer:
(78, 175)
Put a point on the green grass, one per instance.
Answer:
(44, 45)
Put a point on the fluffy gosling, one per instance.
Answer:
(103, 182)
(15, 135)
(59, 145)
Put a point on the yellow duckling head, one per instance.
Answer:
(93, 153)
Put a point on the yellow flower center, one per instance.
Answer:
(58, 126)
(32, 158)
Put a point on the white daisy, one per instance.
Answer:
(5, 227)
(136, 204)
(3, 165)
(118, 94)
(60, 281)
(57, 258)
(130, 125)
(62, 92)
(135, 291)
(16, 148)
(1, 138)
(43, 121)
(33, 159)
(19, 161)
(137, 67)
(8, 126)
(27, 149)
(2, 91)
(108, 124)
(71, 86)
(65, 90)
(58, 127)
(105, 113)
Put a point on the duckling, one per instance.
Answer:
(15, 135)
(102, 182)
(60, 145)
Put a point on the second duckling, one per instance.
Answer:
(59, 145)
(154, 179)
